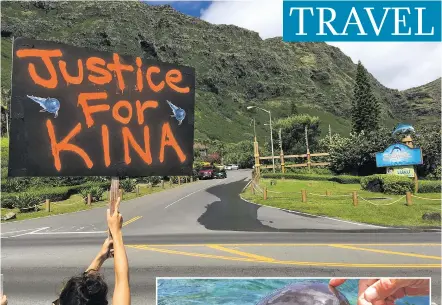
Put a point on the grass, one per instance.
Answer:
(396, 214)
(75, 203)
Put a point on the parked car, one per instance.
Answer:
(206, 172)
(227, 167)
(234, 166)
(220, 174)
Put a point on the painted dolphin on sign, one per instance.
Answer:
(49, 104)
(403, 128)
(306, 294)
(178, 113)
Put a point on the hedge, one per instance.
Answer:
(344, 179)
(11, 200)
(388, 184)
(429, 186)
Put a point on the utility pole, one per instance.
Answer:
(308, 149)
(271, 142)
(281, 151)
(329, 133)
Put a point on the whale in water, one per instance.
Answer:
(305, 294)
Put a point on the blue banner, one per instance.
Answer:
(399, 155)
(361, 21)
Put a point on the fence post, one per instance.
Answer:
(408, 196)
(327, 192)
(355, 198)
(170, 181)
(282, 162)
(265, 193)
(89, 199)
(162, 183)
(304, 195)
(252, 187)
(48, 205)
(137, 188)
(179, 180)
(191, 179)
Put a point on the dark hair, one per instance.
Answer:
(86, 289)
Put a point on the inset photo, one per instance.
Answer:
(293, 291)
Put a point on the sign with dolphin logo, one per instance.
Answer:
(81, 112)
(399, 155)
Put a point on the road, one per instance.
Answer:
(204, 229)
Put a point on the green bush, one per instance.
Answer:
(11, 200)
(13, 185)
(388, 184)
(296, 176)
(26, 200)
(346, 179)
(95, 191)
(429, 186)
(128, 185)
(305, 171)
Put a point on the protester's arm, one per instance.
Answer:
(106, 251)
(122, 289)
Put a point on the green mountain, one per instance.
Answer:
(235, 67)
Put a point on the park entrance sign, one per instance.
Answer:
(399, 155)
(80, 112)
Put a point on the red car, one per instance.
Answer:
(207, 172)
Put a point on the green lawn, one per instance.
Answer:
(380, 210)
(75, 203)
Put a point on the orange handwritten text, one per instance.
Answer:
(46, 56)
(167, 139)
(64, 144)
(128, 137)
(87, 110)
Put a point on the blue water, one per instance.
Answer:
(244, 291)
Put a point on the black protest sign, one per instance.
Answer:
(81, 112)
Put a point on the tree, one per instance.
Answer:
(293, 108)
(365, 107)
(293, 133)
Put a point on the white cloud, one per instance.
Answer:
(395, 65)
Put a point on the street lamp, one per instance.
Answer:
(271, 132)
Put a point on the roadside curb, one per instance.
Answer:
(399, 229)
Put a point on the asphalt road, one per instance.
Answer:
(204, 229)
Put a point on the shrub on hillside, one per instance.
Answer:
(95, 191)
(429, 186)
(128, 185)
(388, 184)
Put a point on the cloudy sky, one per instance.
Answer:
(395, 65)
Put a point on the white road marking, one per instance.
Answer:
(188, 195)
(35, 231)
(17, 231)
(325, 217)
(62, 233)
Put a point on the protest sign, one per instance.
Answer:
(81, 112)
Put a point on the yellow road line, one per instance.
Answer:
(308, 264)
(145, 247)
(131, 220)
(241, 253)
(387, 252)
(300, 244)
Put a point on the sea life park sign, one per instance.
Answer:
(399, 155)
(80, 112)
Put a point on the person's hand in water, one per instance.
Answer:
(385, 291)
